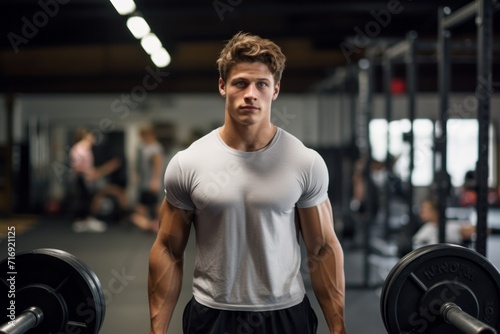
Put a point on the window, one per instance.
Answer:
(400, 149)
(462, 148)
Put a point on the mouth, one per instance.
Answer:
(248, 108)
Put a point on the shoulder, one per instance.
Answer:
(156, 148)
(427, 228)
(298, 150)
(288, 138)
(290, 142)
(197, 151)
(79, 149)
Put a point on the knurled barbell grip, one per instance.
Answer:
(454, 315)
(28, 319)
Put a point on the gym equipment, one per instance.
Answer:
(50, 291)
(481, 11)
(442, 288)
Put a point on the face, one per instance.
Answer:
(90, 138)
(146, 137)
(249, 91)
(427, 212)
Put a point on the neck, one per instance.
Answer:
(247, 138)
(85, 143)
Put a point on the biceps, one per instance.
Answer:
(175, 226)
(316, 226)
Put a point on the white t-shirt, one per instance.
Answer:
(428, 234)
(146, 165)
(247, 253)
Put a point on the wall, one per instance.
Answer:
(105, 113)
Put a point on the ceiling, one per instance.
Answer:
(85, 46)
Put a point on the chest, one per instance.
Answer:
(258, 185)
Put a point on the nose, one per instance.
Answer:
(250, 92)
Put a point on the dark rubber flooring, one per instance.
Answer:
(119, 257)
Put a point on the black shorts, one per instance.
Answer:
(84, 195)
(298, 319)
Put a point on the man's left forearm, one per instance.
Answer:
(327, 277)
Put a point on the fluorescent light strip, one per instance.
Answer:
(141, 30)
(150, 43)
(124, 7)
(161, 58)
(138, 26)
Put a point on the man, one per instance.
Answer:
(150, 169)
(249, 188)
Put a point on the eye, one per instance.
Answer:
(240, 83)
(262, 84)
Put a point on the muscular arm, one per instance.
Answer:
(166, 265)
(326, 260)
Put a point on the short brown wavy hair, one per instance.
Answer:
(244, 47)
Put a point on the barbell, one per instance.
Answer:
(434, 289)
(441, 288)
(50, 291)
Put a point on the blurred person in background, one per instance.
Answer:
(86, 179)
(457, 232)
(150, 174)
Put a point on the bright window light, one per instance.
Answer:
(124, 7)
(150, 43)
(138, 26)
(161, 58)
(462, 146)
(423, 145)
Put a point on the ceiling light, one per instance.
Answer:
(150, 43)
(124, 7)
(138, 26)
(161, 58)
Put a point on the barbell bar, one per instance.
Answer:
(454, 315)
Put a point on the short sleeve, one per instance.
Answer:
(316, 184)
(157, 149)
(177, 190)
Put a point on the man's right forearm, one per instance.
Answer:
(164, 286)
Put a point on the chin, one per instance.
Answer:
(247, 120)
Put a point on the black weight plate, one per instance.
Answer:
(59, 271)
(467, 297)
(95, 307)
(434, 274)
(98, 300)
(395, 272)
(4, 290)
(49, 301)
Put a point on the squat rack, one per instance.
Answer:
(483, 11)
(407, 50)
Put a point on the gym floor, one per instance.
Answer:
(119, 257)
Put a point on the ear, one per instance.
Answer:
(276, 90)
(222, 87)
